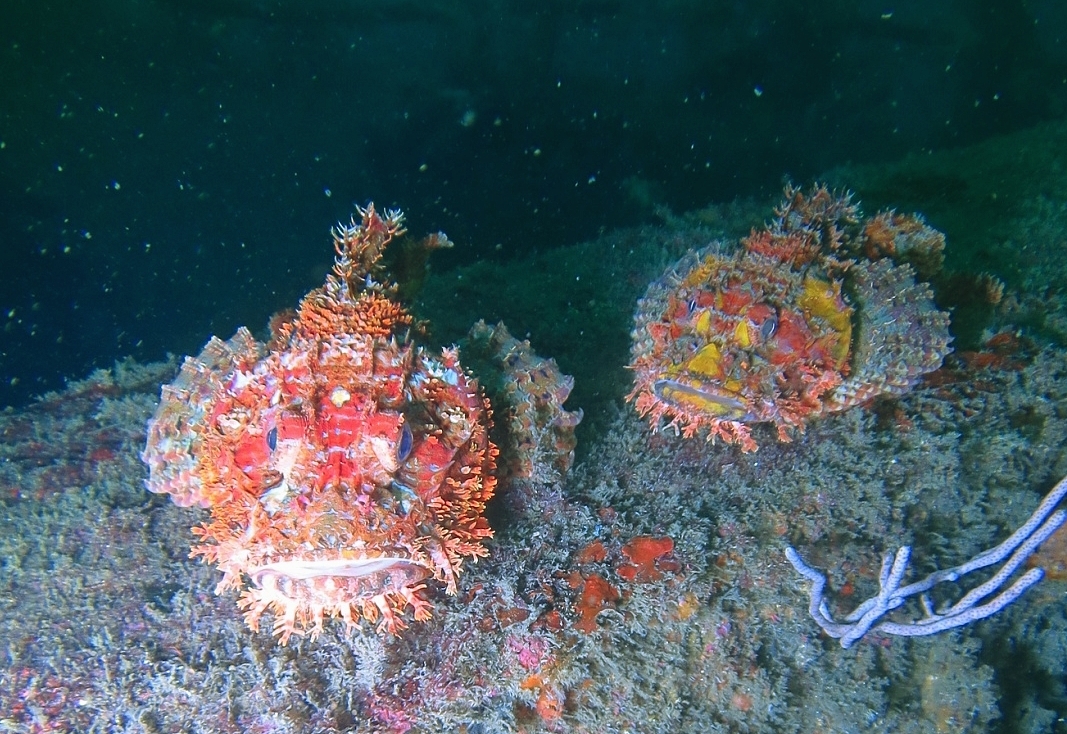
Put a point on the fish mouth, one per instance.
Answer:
(702, 397)
(303, 591)
(377, 567)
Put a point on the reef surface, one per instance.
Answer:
(645, 590)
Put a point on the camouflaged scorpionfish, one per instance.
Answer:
(815, 313)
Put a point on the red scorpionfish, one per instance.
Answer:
(343, 466)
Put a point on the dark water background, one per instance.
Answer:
(169, 169)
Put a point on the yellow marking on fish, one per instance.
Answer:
(703, 324)
(701, 400)
(707, 362)
(822, 300)
(743, 335)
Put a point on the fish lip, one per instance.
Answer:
(737, 409)
(304, 569)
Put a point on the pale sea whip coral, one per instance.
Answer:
(865, 618)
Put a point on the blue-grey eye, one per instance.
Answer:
(403, 447)
(404, 495)
(768, 328)
(272, 438)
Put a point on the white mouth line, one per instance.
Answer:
(344, 567)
